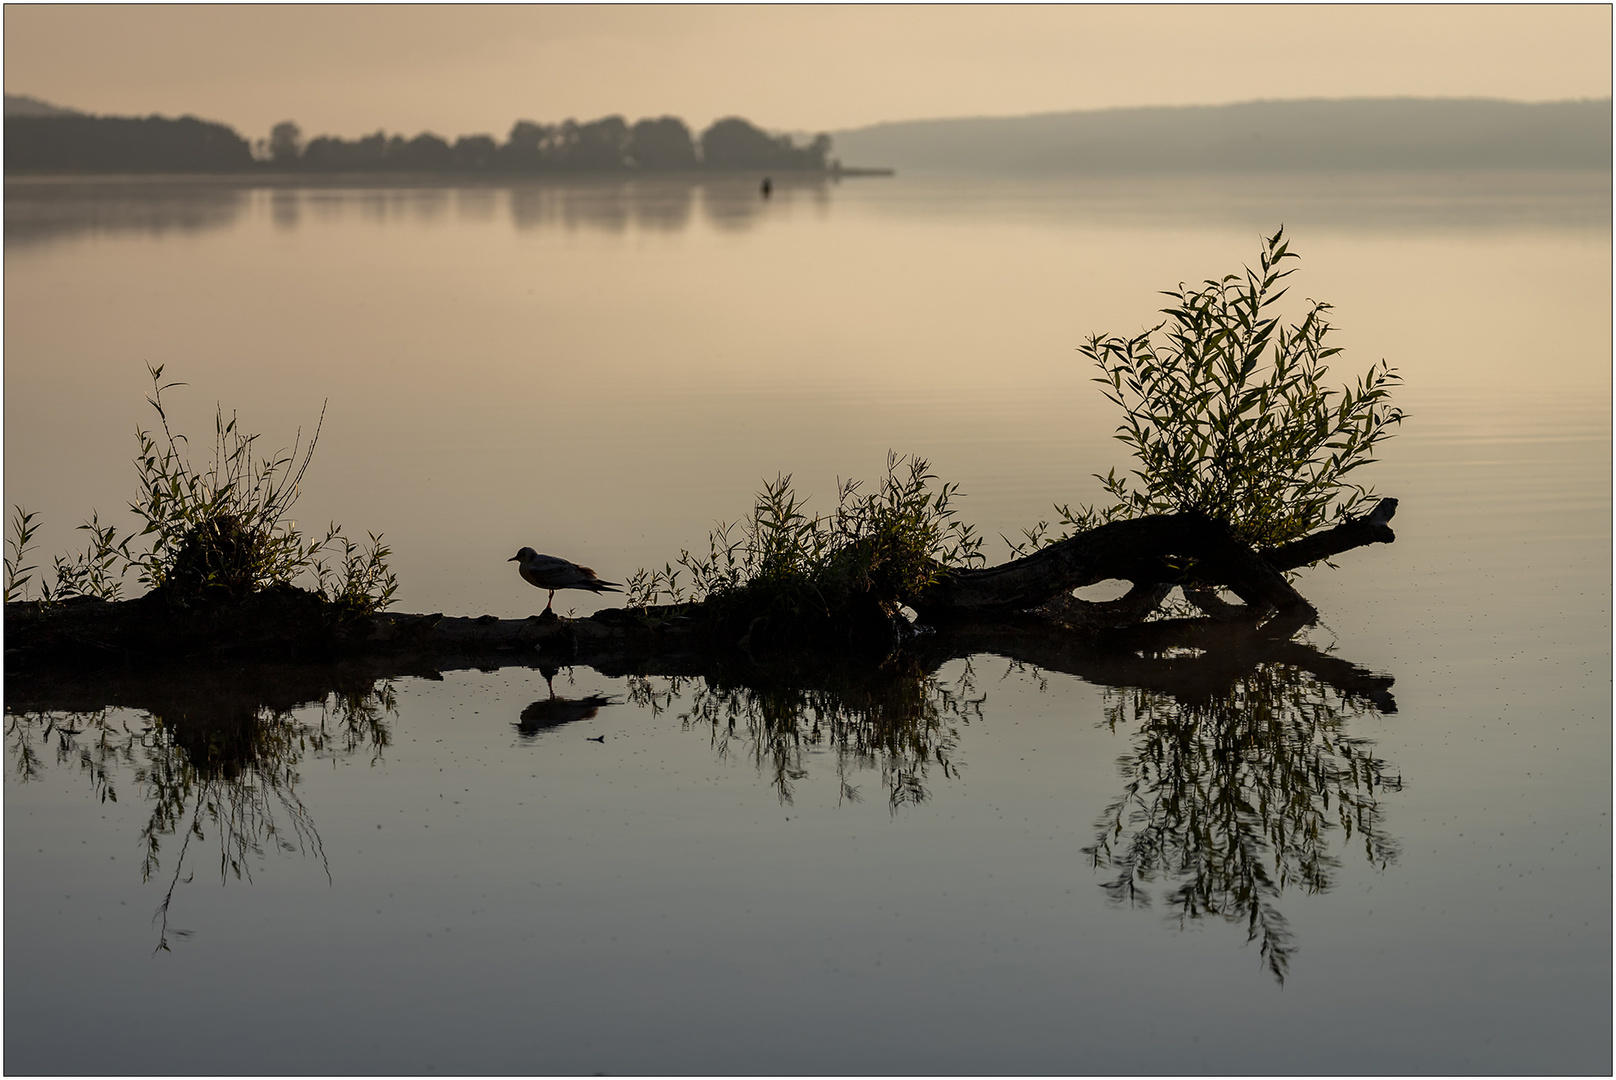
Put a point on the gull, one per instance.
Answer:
(549, 572)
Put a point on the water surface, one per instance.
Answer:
(941, 873)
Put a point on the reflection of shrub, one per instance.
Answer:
(217, 751)
(896, 720)
(1234, 795)
(221, 534)
(873, 554)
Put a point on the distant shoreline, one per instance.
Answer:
(749, 177)
(61, 143)
(1580, 178)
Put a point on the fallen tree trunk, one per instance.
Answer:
(1328, 543)
(1155, 554)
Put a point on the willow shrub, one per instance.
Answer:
(217, 534)
(1227, 413)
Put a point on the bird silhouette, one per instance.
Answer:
(552, 573)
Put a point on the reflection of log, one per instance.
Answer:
(1188, 658)
(1185, 657)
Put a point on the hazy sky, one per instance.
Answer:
(457, 70)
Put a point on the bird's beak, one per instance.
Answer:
(514, 558)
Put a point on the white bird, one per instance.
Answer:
(549, 572)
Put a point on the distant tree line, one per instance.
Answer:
(608, 145)
(122, 144)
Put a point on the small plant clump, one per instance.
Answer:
(218, 535)
(783, 572)
(1227, 414)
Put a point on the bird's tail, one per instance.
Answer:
(605, 586)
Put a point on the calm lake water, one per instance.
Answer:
(996, 865)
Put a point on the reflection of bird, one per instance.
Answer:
(543, 715)
(549, 572)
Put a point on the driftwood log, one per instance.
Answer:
(1154, 554)
(1029, 595)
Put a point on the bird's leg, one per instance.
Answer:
(549, 602)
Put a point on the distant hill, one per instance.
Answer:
(23, 105)
(1363, 134)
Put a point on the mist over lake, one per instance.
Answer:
(456, 877)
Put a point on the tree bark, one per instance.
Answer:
(1175, 549)
(1328, 543)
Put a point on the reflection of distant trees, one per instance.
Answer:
(42, 211)
(46, 211)
(285, 209)
(734, 205)
(660, 204)
(657, 205)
